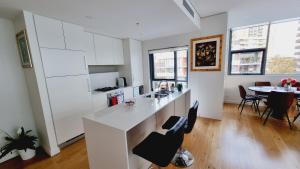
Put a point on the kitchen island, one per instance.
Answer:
(112, 133)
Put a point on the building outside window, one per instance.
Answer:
(169, 65)
(270, 48)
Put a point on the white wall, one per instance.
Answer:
(15, 108)
(254, 13)
(207, 87)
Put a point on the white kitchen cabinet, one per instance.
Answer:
(103, 48)
(136, 62)
(70, 99)
(49, 32)
(74, 35)
(133, 59)
(117, 51)
(109, 51)
(89, 48)
(128, 93)
(99, 101)
(63, 62)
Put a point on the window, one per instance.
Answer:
(266, 48)
(168, 65)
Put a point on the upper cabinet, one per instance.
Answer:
(136, 59)
(109, 51)
(89, 47)
(49, 32)
(74, 36)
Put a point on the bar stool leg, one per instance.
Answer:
(183, 158)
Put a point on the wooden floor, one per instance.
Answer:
(236, 142)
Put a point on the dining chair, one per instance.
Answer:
(262, 95)
(247, 98)
(279, 101)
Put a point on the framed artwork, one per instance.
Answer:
(24, 50)
(206, 53)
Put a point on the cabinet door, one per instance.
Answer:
(136, 62)
(118, 51)
(128, 93)
(74, 36)
(180, 107)
(99, 101)
(89, 48)
(70, 99)
(49, 32)
(104, 50)
(63, 62)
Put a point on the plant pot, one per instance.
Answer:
(26, 155)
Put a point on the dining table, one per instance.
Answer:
(268, 89)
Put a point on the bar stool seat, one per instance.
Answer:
(160, 149)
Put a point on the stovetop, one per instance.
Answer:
(105, 89)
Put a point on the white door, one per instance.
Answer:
(70, 99)
(104, 50)
(63, 62)
(136, 62)
(89, 48)
(49, 32)
(74, 36)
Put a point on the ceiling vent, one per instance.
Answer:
(188, 8)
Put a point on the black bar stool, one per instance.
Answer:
(160, 149)
(183, 158)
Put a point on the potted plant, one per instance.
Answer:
(179, 87)
(23, 143)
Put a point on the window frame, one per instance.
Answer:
(265, 53)
(264, 50)
(152, 69)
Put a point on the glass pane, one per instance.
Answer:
(182, 65)
(249, 38)
(164, 65)
(162, 83)
(246, 63)
(284, 48)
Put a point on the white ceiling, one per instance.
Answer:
(118, 18)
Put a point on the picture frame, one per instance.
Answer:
(24, 49)
(206, 53)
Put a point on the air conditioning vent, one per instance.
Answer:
(188, 8)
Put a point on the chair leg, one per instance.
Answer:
(257, 108)
(243, 107)
(295, 118)
(240, 104)
(290, 124)
(265, 111)
(270, 112)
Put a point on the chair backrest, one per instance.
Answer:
(175, 135)
(192, 117)
(281, 100)
(243, 92)
(262, 83)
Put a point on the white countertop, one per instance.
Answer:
(125, 117)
